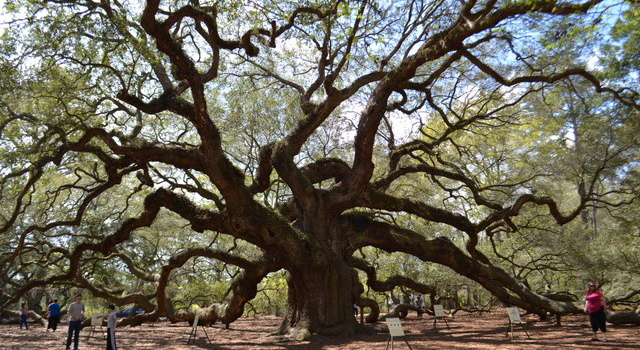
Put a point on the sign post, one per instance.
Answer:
(514, 318)
(96, 321)
(395, 330)
(194, 329)
(438, 312)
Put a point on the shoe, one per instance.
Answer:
(595, 339)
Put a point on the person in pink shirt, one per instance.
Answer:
(594, 305)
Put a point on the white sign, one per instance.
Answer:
(96, 321)
(438, 310)
(395, 327)
(514, 315)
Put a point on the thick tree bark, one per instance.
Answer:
(321, 299)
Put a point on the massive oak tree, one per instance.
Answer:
(306, 130)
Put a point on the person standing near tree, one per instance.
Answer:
(420, 305)
(594, 305)
(24, 312)
(54, 315)
(47, 314)
(111, 328)
(76, 315)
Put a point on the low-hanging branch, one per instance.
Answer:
(391, 238)
(391, 282)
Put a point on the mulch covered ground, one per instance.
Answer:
(468, 331)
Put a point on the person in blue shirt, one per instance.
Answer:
(54, 315)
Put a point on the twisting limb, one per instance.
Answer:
(104, 293)
(385, 286)
(243, 286)
(16, 314)
(431, 170)
(433, 48)
(199, 219)
(440, 250)
(552, 78)
(391, 282)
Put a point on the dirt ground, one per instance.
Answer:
(467, 331)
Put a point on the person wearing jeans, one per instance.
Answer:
(76, 315)
(24, 313)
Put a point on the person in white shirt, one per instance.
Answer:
(111, 328)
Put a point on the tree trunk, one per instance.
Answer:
(321, 299)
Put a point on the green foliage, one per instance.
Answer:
(61, 68)
(272, 296)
